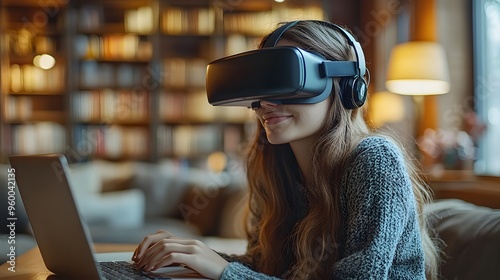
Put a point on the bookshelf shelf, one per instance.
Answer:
(39, 116)
(117, 60)
(51, 30)
(98, 121)
(116, 29)
(28, 58)
(36, 93)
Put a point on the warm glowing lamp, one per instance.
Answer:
(418, 68)
(44, 61)
(217, 161)
(385, 107)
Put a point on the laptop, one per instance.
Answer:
(62, 236)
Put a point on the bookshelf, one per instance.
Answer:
(129, 78)
(111, 102)
(33, 77)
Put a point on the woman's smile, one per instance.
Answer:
(287, 123)
(273, 118)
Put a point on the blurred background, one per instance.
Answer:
(124, 80)
(118, 86)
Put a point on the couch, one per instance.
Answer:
(466, 217)
(124, 201)
(469, 237)
(121, 202)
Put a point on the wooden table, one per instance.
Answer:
(465, 185)
(30, 264)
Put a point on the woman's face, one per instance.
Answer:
(291, 123)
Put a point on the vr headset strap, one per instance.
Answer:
(331, 69)
(272, 40)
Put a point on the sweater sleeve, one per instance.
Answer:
(240, 267)
(378, 209)
(236, 270)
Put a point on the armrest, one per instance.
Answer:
(471, 236)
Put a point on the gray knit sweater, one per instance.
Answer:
(379, 219)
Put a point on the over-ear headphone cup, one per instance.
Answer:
(353, 91)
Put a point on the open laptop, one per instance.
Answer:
(61, 235)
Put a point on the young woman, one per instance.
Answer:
(328, 199)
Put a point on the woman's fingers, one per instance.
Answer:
(192, 253)
(148, 241)
(160, 250)
(170, 259)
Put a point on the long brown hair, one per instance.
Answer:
(283, 241)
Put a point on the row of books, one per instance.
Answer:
(25, 42)
(194, 106)
(140, 20)
(177, 72)
(37, 138)
(237, 43)
(112, 141)
(186, 140)
(191, 106)
(119, 75)
(182, 72)
(18, 107)
(110, 106)
(177, 20)
(113, 47)
(261, 23)
(29, 78)
(128, 106)
(90, 17)
(189, 140)
(174, 20)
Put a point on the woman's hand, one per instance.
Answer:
(162, 249)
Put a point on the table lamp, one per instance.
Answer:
(418, 68)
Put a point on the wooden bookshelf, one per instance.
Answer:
(189, 127)
(33, 95)
(129, 79)
(112, 48)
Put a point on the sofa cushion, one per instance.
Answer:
(201, 206)
(84, 178)
(121, 209)
(163, 187)
(114, 176)
(471, 236)
(215, 211)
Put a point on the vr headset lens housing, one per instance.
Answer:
(279, 74)
(285, 74)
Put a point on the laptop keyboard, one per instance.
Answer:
(120, 270)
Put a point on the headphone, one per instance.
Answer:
(353, 89)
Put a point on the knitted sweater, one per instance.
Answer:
(379, 219)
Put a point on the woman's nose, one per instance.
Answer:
(267, 104)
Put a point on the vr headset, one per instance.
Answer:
(285, 75)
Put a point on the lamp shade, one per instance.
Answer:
(418, 68)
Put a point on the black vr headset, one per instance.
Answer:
(285, 75)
